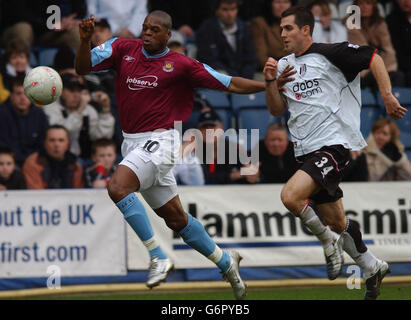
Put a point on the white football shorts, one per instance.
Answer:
(151, 156)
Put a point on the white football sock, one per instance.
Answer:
(311, 220)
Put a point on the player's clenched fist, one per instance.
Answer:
(270, 69)
(86, 28)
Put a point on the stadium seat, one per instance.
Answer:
(404, 97)
(46, 56)
(253, 100)
(219, 101)
(254, 118)
(370, 111)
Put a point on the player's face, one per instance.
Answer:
(7, 166)
(155, 36)
(19, 101)
(227, 13)
(276, 142)
(56, 143)
(382, 136)
(293, 37)
(106, 156)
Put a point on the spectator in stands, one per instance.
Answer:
(54, 166)
(29, 21)
(225, 43)
(64, 60)
(102, 32)
(124, 17)
(276, 155)
(10, 176)
(266, 30)
(212, 142)
(103, 154)
(16, 61)
(22, 125)
(82, 121)
(176, 42)
(187, 15)
(385, 153)
(399, 23)
(374, 32)
(326, 30)
(4, 93)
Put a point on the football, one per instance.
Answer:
(43, 85)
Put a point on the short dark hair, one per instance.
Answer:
(220, 2)
(17, 81)
(16, 46)
(7, 150)
(303, 16)
(56, 126)
(101, 143)
(165, 18)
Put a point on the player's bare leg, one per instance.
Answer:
(121, 188)
(351, 241)
(194, 234)
(295, 197)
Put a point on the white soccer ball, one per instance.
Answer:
(43, 85)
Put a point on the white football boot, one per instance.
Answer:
(232, 275)
(335, 260)
(159, 270)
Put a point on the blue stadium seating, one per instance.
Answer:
(404, 97)
(46, 56)
(254, 100)
(221, 104)
(370, 111)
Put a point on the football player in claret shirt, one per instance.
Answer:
(324, 101)
(154, 88)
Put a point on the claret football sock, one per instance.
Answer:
(356, 248)
(312, 222)
(136, 216)
(197, 237)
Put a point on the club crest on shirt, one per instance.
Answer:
(303, 69)
(168, 66)
(102, 46)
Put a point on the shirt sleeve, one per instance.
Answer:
(203, 76)
(349, 58)
(103, 56)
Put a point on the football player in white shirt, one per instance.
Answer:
(324, 102)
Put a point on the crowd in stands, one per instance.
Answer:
(75, 142)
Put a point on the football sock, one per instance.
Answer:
(136, 216)
(197, 237)
(312, 222)
(356, 248)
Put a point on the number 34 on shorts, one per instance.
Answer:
(321, 164)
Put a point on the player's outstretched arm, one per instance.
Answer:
(275, 103)
(82, 60)
(243, 85)
(380, 73)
